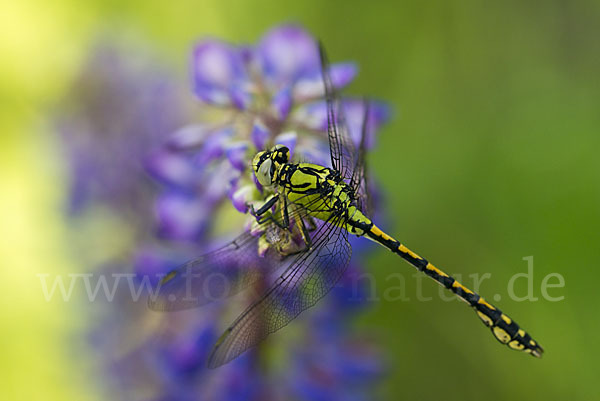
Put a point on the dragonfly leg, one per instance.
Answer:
(284, 211)
(263, 209)
(262, 216)
(289, 247)
(304, 231)
(310, 223)
(293, 239)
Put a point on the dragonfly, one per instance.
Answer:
(321, 206)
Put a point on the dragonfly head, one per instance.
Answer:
(266, 164)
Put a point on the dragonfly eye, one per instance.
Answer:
(264, 174)
(258, 160)
(285, 155)
(281, 154)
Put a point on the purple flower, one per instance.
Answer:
(258, 97)
(288, 53)
(117, 112)
(279, 92)
(218, 70)
(200, 186)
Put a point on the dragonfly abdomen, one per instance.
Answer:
(505, 330)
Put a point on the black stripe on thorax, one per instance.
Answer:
(288, 170)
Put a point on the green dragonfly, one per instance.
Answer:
(305, 225)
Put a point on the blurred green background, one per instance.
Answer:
(491, 157)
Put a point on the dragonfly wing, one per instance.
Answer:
(310, 276)
(221, 273)
(341, 147)
(215, 275)
(344, 156)
(359, 179)
(230, 269)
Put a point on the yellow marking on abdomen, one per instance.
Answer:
(456, 284)
(376, 231)
(506, 318)
(484, 302)
(435, 269)
(501, 334)
(404, 249)
(486, 319)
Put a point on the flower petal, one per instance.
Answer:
(216, 66)
(180, 216)
(188, 137)
(151, 264)
(288, 52)
(314, 115)
(314, 151)
(256, 183)
(214, 146)
(282, 103)
(260, 135)
(241, 197)
(312, 87)
(171, 168)
(237, 155)
(287, 139)
(239, 96)
(218, 181)
(342, 74)
(355, 114)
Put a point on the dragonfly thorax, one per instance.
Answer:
(315, 187)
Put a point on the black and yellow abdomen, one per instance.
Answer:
(506, 330)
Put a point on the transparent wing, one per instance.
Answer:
(344, 156)
(359, 179)
(218, 274)
(304, 282)
(341, 147)
(212, 276)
